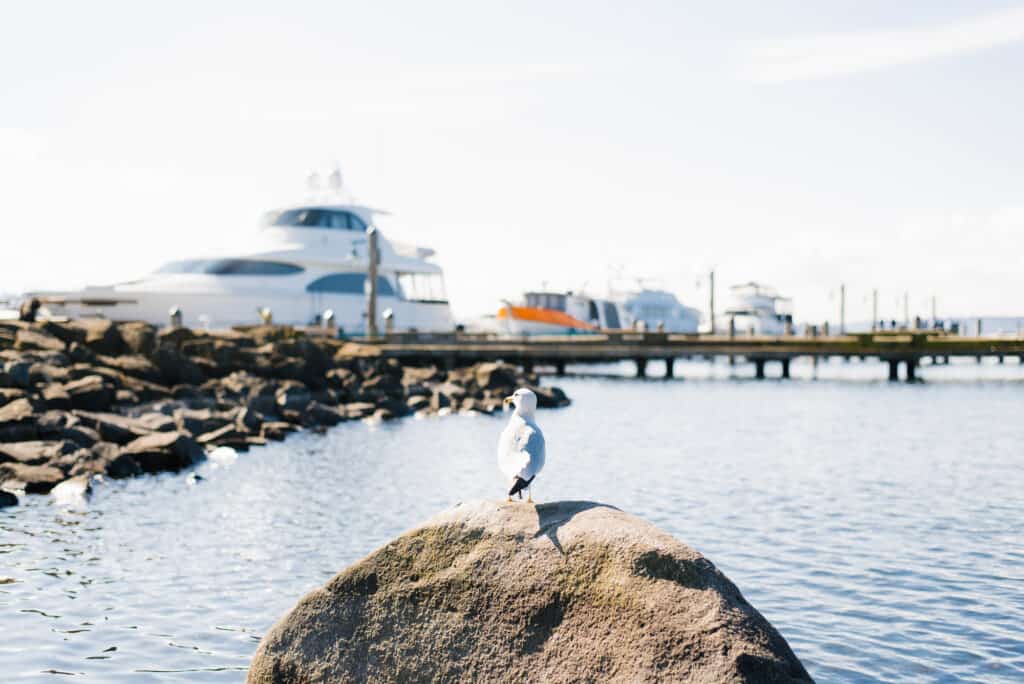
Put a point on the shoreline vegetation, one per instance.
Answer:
(92, 397)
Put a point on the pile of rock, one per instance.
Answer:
(92, 396)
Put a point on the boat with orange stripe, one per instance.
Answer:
(561, 313)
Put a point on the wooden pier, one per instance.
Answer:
(907, 347)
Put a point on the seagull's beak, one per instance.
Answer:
(507, 401)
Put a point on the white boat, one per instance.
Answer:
(308, 260)
(561, 313)
(756, 309)
(659, 310)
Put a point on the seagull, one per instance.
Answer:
(521, 445)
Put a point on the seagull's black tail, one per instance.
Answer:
(519, 485)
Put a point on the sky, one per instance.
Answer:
(803, 145)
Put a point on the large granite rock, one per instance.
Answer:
(560, 592)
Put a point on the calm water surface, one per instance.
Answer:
(877, 526)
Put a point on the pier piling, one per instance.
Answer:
(641, 368)
(785, 369)
(759, 369)
(894, 370)
(670, 371)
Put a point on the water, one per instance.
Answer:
(877, 526)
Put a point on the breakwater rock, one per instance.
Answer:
(560, 592)
(122, 399)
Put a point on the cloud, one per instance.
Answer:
(837, 54)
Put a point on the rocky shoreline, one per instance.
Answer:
(92, 397)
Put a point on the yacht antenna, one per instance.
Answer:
(334, 180)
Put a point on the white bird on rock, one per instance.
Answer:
(521, 445)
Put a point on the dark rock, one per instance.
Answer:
(132, 365)
(34, 479)
(176, 368)
(91, 393)
(157, 422)
(19, 373)
(200, 421)
(122, 466)
(161, 451)
(228, 435)
(341, 378)
(293, 397)
(495, 376)
(27, 340)
(560, 592)
(413, 375)
(56, 397)
(7, 499)
(175, 337)
(112, 427)
(550, 397)
(101, 336)
(316, 413)
(35, 452)
(79, 353)
(276, 430)
(139, 338)
(416, 403)
(358, 409)
(81, 435)
(63, 332)
(9, 394)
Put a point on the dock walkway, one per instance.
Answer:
(907, 347)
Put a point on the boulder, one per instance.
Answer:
(7, 499)
(35, 452)
(112, 427)
(56, 397)
(34, 479)
(494, 376)
(91, 393)
(140, 338)
(101, 335)
(550, 397)
(176, 368)
(27, 340)
(164, 451)
(560, 592)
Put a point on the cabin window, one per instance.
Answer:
(611, 316)
(246, 267)
(592, 312)
(349, 283)
(546, 300)
(320, 218)
(422, 287)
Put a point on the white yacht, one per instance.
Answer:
(659, 310)
(308, 260)
(756, 309)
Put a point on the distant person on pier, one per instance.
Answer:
(27, 311)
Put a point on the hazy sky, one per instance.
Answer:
(801, 144)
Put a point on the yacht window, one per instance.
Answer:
(349, 283)
(320, 218)
(248, 267)
(611, 316)
(422, 287)
(592, 311)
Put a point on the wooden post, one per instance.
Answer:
(641, 368)
(371, 276)
(759, 369)
(670, 371)
(874, 310)
(785, 369)
(842, 309)
(559, 368)
(911, 368)
(894, 370)
(711, 304)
